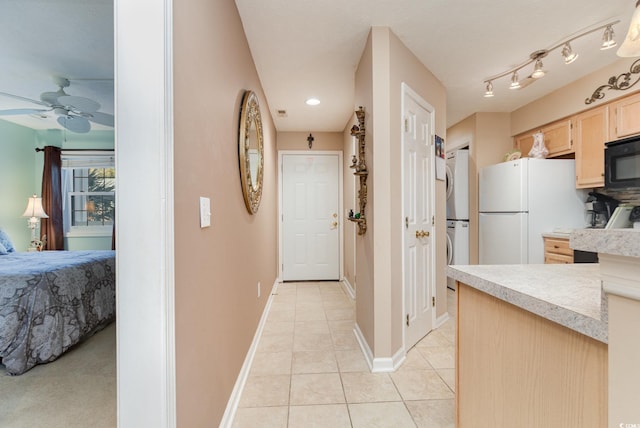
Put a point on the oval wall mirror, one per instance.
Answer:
(250, 149)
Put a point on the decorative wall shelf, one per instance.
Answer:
(359, 164)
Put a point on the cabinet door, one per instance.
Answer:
(626, 117)
(524, 142)
(557, 138)
(592, 131)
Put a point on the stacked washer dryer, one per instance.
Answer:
(457, 175)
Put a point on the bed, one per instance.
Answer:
(51, 300)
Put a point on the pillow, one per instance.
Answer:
(6, 242)
(3, 250)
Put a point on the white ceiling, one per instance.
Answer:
(305, 48)
(42, 39)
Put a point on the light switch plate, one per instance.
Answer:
(205, 212)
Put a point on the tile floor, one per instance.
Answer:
(309, 371)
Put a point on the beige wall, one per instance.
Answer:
(385, 64)
(488, 137)
(364, 243)
(570, 99)
(217, 268)
(321, 141)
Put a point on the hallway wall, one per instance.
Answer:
(218, 268)
(385, 64)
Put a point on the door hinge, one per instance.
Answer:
(406, 222)
(433, 301)
(406, 125)
(282, 267)
(433, 220)
(407, 320)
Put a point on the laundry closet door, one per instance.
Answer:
(310, 221)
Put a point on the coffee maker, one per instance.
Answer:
(599, 208)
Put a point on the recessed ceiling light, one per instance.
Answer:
(312, 101)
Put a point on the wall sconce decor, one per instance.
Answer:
(359, 164)
(535, 58)
(35, 212)
(310, 140)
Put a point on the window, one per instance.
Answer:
(89, 195)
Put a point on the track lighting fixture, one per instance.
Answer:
(631, 45)
(538, 72)
(568, 54)
(608, 40)
(488, 93)
(515, 84)
(535, 58)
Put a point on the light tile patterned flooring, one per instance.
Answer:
(309, 371)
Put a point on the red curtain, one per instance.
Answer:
(52, 199)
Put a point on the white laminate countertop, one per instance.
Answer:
(618, 242)
(567, 294)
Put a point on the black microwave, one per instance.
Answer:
(622, 163)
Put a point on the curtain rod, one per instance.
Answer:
(78, 150)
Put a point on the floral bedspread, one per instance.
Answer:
(50, 301)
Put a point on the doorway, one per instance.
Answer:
(310, 220)
(418, 229)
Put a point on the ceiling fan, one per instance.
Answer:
(74, 113)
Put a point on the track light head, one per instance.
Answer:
(568, 54)
(538, 72)
(488, 93)
(608, 40)
(515, 83)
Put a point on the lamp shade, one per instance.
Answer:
(34, 208)
(631, 45)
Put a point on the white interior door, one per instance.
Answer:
(418, 230)
(310, 217)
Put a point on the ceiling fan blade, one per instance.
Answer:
(17, 111)
(29, 100)
(75, 124)
(102, 118)
(80, 104)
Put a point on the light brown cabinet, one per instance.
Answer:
(625, 117)
(517, 369)
(557, 139)
(557, 251)
(591, 132)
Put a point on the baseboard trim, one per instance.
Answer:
(234, 399)
(348, 288)
(378, 365)
(441, 320)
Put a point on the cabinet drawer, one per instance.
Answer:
(552, 258)
(557, 246)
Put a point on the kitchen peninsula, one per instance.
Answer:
(532, 344)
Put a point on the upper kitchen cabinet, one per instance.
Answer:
(591, 133)
(557, 139)
(625, 117)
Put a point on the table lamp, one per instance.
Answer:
(35, 212)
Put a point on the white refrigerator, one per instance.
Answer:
(519, 201)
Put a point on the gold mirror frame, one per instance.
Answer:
(251, 139)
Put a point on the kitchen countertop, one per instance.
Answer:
(569, 295)
(557, 235)
(618, 242)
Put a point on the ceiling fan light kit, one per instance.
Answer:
(73, 113)
(631, 45)
(568, 54)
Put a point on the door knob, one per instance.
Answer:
(334, 224)
(421, 233)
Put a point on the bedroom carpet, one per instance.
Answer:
(78, 390)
